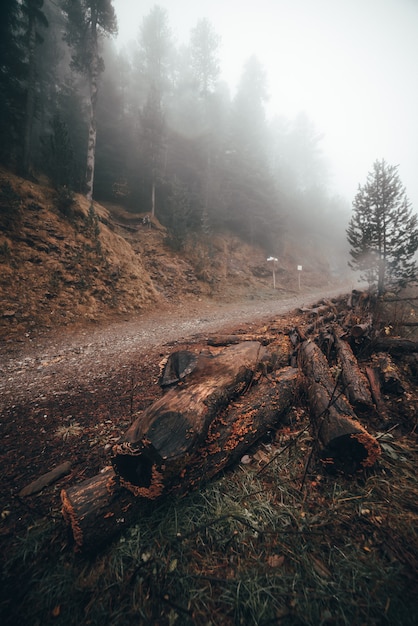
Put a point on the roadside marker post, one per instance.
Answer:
(299, 273)
(273, 261)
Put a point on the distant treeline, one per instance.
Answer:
(171, 139)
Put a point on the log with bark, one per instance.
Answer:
(361, 329)
(389, 374)
(375, 389)
(240, 426)
(46, 479)
(98, 508)
(394, 345)
(159, 444)
(354, 381)
(346, 446)
(227, 340)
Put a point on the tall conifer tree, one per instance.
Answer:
(88, 20)
(383, 231)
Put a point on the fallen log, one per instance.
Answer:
(373, 378)
(360, 330)
(320, 310)
(320, 321)
(100, 507)
(354, 381)
(46, 479)
(96, 509)
(227, 340)
(159, 444)
(389, 374)
(346, 446)
(240, 426)
(394, 345)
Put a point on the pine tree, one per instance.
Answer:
(12, 77)
(34, 17)
(156, 48)
(383, 231)
(88, 20)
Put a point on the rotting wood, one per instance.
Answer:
(346, 446)
(376, 392)
(46, 479)
(98, 508)
(225, 340)
(159, 444)
(320, 311)
(389, 374)
(176, 367)
(319, 323)
(355, 382)
(360, 329)
(394, 345)
(240, 426)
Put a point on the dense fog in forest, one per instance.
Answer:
(349, 65)
(215, 116)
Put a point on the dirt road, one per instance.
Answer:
(64, 359)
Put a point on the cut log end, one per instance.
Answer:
(96, 509)
(350, 453)
(140, 475)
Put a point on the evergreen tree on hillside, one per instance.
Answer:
(88, 20)
(12, 75)
(35, 20)
(383, 231)
(253, 207)
(155, 60)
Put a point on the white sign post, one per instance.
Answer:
(273, 261)
(299, 273)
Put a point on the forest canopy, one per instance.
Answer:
(165, 134)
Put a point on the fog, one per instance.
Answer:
(350, 65)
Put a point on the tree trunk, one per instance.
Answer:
(376, 393)
(346, 445)
(394, 345)
(153, 199)
(241, 425)
(98, 508)
(225, 340)
(355, 382)
(94, 77)
(159, 444)
(30, 96)
(389, 374)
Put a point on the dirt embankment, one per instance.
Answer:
(63, 264)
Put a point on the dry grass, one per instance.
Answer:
(253, 547)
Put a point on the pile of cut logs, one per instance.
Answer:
(218, 403)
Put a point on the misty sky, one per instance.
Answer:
(351, 65)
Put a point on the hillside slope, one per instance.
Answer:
(63, 265)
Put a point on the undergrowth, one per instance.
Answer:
(260, 545)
